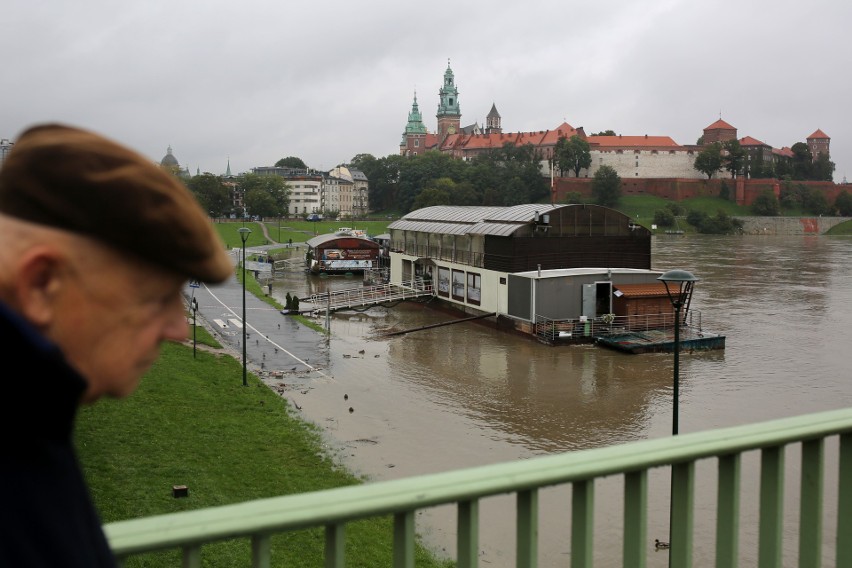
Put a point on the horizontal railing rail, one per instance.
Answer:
(368, 295)
(402, 498)
(552, 330)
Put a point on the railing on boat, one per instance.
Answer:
(554, 330)
(333, 509)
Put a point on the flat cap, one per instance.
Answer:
(76, 180)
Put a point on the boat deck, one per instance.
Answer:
(661, 340)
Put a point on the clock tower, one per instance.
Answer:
(449, 113)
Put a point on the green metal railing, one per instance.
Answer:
(333, 509)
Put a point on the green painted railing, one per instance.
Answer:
(333, 509)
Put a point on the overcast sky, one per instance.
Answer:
(254, 81)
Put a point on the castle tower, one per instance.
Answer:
(492, 121)
(720, 131)
(818, 143)
(449, 113)
(414, 137)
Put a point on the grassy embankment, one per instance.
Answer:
(191, 422)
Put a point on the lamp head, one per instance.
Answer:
(244, 233)
(682, 282)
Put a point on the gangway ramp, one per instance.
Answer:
(368, 295)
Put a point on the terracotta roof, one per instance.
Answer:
(785, 151)
(497, 140)
(720, 125)
(818, 134)
(631, 141)
(749, 141)
(651, 290)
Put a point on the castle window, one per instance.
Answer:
(416, 143)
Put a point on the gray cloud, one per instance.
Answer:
(256, 81)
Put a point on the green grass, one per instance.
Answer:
(191, 422)
(297, 230)
(841, 229)
(203, 337)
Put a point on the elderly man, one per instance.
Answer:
(96, 245)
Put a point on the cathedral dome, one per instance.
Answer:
(169, 159)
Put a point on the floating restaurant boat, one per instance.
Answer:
(574, 273)
(347, 250)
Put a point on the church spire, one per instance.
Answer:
(449, 111)
(228, 171)
(448, 105)
(414, 136)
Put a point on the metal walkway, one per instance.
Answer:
(368, 295)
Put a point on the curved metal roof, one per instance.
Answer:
(475, 220)
(320, 240)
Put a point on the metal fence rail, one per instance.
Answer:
(333, 509)
(552, 330)
(368, 295)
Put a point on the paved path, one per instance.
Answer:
(277, 348)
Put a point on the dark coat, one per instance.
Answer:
(46, 514)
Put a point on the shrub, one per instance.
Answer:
(664, 218)
(843, 204)
(766, 204)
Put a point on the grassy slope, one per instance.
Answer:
(192, 423)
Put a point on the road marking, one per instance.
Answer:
(280, 347)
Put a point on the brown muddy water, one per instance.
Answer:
(466, 394)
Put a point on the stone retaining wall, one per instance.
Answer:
(789, 225)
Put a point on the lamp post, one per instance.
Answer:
(244, 234)
(679, 285)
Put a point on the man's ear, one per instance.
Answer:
(39, 279)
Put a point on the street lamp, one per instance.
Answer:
(679, 285)
(244, 234)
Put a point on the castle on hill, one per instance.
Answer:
(631, 156)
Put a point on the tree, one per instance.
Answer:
(664, 218)
(573, 154)
(733, 157)
(766, 204)
(213, 195)
(265, 195)
(709, 160)
(803, 161)
(815, 202)
(843, 204)
(606, 186)
(431, 196)
(291, 162)
(260, 202)
(823, 168)
(721, 224)
(604, 133)
(508, 175)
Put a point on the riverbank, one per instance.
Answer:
(192, 423)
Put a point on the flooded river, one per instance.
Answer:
(465, 394)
